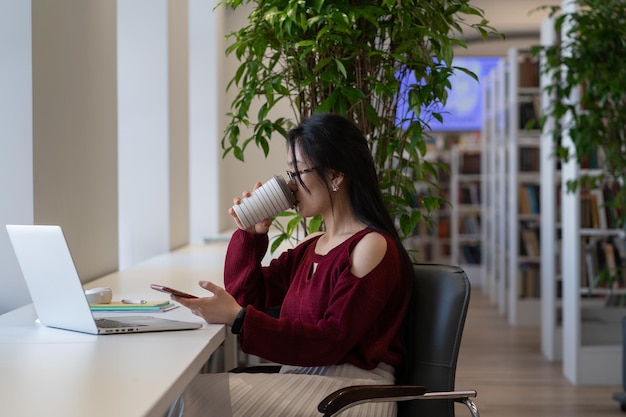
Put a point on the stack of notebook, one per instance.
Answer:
(146, 306)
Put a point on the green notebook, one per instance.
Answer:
(152, 306)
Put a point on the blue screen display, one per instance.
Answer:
(464, 108)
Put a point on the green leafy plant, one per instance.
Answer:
(589, 92)
(353, 58)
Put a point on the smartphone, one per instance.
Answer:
(171, 291)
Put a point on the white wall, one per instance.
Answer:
(237, 176)
(75, 127)
(16, 142)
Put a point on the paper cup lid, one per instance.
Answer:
(285, 189)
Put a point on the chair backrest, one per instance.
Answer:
(434, 327)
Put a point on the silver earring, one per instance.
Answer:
(335, 187)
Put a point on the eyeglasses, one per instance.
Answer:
(294, 175)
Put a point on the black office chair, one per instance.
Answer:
(435, 321)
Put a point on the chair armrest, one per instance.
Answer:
(357, 394)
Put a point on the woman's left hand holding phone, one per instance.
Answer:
(220, 308)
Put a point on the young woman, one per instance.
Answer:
(342, 293)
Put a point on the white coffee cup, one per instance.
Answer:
(100, 295)
(271, 198)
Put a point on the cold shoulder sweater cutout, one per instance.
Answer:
(328, 316)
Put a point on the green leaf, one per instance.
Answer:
(293, 224)
(315, 224)
(278, 240)
(341, 68)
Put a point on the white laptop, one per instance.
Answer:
(56, 290)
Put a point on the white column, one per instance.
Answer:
(205, 51)
(570, 249)
(143, 138)
(550, 339)
(16, 142)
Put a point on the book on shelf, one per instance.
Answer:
(609, 258)
(469, 193)
(603, 262)
(619, 243)
(616, 266)
(529, 159)
(470, 163)
(594, 159)
(523, 201)
(528, 69)
(471, 253)
(445, 250)
(529, 281)
(528, 115)
(470, 224)
(589, 264)
(596, 210)
(586, 220)
(593, 211)
(443, 227)
(529, 235)
(619, 247)
(609, 190)
(528, 199)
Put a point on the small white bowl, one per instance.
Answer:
(100, 295)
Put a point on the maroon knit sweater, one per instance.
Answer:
(327, 317)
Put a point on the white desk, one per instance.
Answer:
(45, 371)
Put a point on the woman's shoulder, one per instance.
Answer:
(372, 240)
(368, 252)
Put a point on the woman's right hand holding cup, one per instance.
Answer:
(255, 210)
(259, 228)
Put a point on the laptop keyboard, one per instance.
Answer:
(109, 324)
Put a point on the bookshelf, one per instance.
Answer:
(465, 225)
(494, 185)
(431, 243)
(591, 322)
(434, 244)
(524, 179)
(586, 322)
(591, 329)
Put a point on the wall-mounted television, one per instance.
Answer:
(464, 108)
